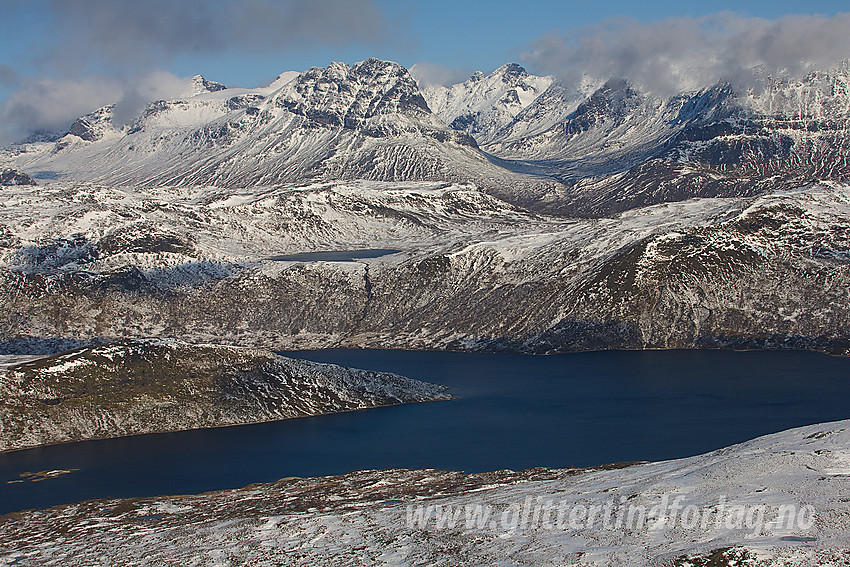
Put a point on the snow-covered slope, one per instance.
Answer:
(473, 272)
(157, 385)
(551, 107)
(71, 227)
(482, 105)
(775, 501)
(621, 148)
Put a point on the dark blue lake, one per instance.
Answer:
(513, 411)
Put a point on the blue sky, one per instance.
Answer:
(115, 40)
(475, 34)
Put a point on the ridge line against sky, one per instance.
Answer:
(63, 58)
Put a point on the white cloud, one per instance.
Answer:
(99, 52)
(687, 53)
(51, 105)
(426, 73)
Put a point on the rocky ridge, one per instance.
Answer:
(473, 273)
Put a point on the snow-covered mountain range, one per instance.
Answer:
(367, 121)
(529, 215)
(590, 150)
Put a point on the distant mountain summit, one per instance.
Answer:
(366, 121)
(200, 85)
(484, 104)
(589, 150)
(346, 96)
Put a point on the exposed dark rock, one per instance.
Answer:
(9, 176)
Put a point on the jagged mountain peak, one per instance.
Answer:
(375, 66)
(200, 85)
(484, 104)
(339, 93)
(511, 72)
(371, 68)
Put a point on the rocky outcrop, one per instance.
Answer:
(9, 176)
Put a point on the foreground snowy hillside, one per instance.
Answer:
(471, 272)
(159, 385)
(777, 500)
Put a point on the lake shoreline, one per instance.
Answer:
(511, 412)
(381, 512)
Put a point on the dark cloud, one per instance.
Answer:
(686, 53)
(131, 32)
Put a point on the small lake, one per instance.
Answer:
(513, 411)
(335, 255)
